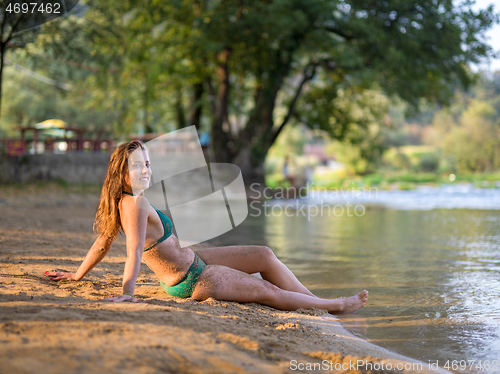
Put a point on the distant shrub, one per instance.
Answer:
(401, 161)
(474, 143)
(429, 162)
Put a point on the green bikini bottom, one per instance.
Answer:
(186, 286)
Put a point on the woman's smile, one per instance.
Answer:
(139, 170)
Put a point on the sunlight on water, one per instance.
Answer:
(433, 275)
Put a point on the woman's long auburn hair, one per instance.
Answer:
(107, 219)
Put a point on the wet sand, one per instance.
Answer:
(62, 327)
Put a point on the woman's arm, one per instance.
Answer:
(95, 254)
(134, 223)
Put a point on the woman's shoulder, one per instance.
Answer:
(133, 204)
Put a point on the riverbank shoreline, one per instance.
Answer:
(63, 327)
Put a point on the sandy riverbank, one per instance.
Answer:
(62, 327)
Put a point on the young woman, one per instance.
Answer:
(222, 273)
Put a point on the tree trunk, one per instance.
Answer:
(145, 106)
(221, 134)
(211, 96)
(252, 169)
(2, 58)
(256, 140)
(249, 149)
(179, 109)
(258, 135)
(195, 114)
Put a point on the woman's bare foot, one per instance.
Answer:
(353, 303)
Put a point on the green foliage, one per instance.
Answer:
(290, 142)
(401, 161)
(355, 120)
(30, 101)
(429, 162)
(417, 177)
(373, 179)
(474, 142)
(259, 65)
(405, 180)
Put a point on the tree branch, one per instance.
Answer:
(211, 95)
(3, 25)
(13, 27)
(346, 35)
(327, 64)
(309, 72)
(302, 120)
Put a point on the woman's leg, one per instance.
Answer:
(254, 259)
(226, 284)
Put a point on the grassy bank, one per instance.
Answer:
(395, 180)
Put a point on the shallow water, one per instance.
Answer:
(433, 275)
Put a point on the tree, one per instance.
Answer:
(31, 101)
(140, 65)
(249, 63)
(412, 49)
(357, 121)
(17, 16)
(474, 143)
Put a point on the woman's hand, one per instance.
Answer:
(59, 275)
(119, 299)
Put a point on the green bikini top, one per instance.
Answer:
(165, 221)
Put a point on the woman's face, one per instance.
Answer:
(139, 170)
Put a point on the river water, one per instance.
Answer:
(429, 257)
